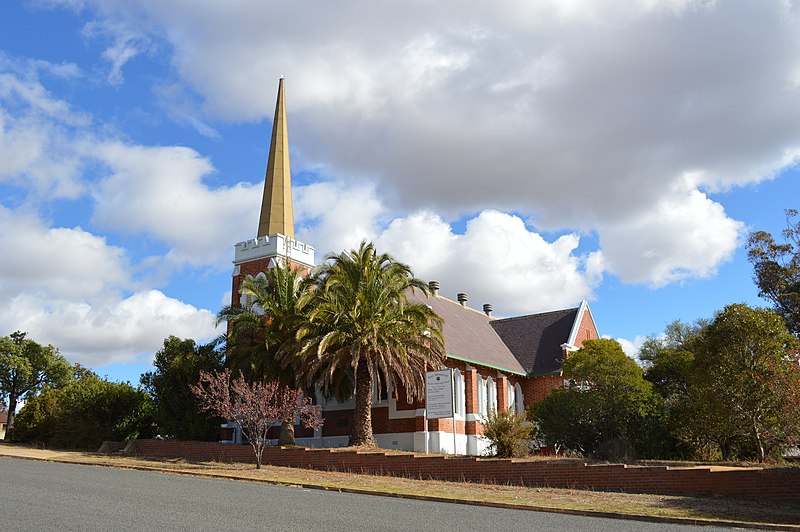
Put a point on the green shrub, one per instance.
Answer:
(84, 413)
(509, 434)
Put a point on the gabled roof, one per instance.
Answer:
(536, 339)
(468, 335)
(524, 345)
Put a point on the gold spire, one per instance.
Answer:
(276, 204)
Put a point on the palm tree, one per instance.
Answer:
(362, 322)
(261, 341)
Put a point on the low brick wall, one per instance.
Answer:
(783, 482)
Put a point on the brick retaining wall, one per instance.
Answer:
(783, 482)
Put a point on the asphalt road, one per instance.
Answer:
(46, 496)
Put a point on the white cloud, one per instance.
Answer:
(159, 191)
(36, 129)
(106, 329)
(684, 235)
(56, 262)
(126, 43)
(631, 347)
(497, 260)
(332, 217)
(67, 287)
(582, 117)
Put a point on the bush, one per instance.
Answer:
(509, 434)
(84, 413)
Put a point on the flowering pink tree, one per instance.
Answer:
(254, 406)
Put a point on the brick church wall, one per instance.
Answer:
(755, 483)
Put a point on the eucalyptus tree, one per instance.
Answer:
(27, 367)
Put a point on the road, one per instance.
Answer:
(45, 496)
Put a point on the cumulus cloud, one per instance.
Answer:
(496, 260)
(582, 117)
(159, 191)
(684, 235)
(333, 217)
(69, 287)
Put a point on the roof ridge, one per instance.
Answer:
(491, 318)
(538, 314)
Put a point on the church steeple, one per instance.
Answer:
(276, 203)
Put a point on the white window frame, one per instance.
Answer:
(482, 410)
(459, 396)
(491, 396)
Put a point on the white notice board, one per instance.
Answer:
(439, 393)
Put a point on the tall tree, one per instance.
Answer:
(177, 366)
(262, 341)
(777, 269)
(25, 368)
(747, 373)
(667, 358)
(605, 406)
(362, 321)
(255, 406)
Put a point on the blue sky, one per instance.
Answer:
(529, 154)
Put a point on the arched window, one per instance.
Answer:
(481, 396)
(510, 395)
(246, 301)
(519, 399)
(458, 393)
(491, 396)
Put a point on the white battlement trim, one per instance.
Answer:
(276, 245)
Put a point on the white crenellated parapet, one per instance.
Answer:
(276, 245)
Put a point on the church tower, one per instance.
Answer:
(274, 243)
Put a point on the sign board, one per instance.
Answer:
(439, 393)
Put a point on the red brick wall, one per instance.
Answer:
(537, 388)
(586, 330)
(253, 268)
(632, 479)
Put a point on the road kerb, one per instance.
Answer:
(488, 504)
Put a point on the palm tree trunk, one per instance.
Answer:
(286, 436)
(362, 424)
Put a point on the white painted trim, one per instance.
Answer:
(394, 413)
(573, 334)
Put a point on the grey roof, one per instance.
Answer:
(468, 335)
(525, 345)
(536, 339)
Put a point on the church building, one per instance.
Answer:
(495, 363)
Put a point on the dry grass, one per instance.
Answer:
(713, 508)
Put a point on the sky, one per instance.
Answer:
(530, 154)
